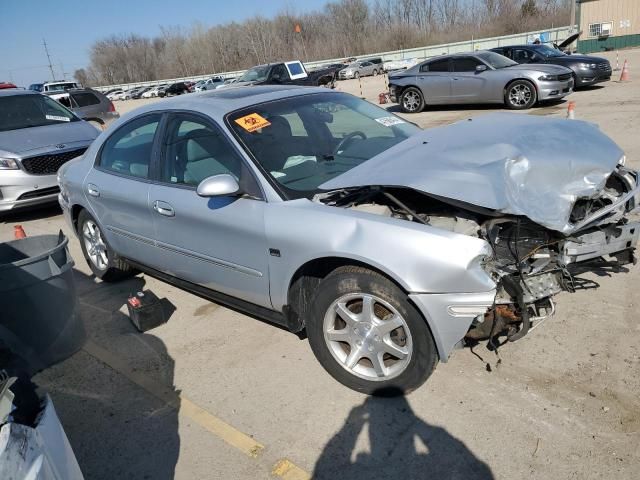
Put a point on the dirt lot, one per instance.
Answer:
(216, 394)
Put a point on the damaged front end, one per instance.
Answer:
(530, 263)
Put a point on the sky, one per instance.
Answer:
(70, 27)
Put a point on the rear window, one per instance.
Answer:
(85, 99)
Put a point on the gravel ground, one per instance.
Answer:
(561, 403)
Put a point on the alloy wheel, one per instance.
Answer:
(367, 337)
(94, 245)
(520, 95)
(411, 101)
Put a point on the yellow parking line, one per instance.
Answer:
(289, 471)
(186, 407)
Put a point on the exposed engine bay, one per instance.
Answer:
(529, 263)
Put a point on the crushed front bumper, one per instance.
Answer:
(450, 315)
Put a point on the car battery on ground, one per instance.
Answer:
(145, 310)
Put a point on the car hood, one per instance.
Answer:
(541, 67)
(512, 163)
(578, 58)
(26, 139)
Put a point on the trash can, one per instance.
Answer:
(39, 318)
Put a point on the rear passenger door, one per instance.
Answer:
(218, 242)
(434, 80)
(117, 188)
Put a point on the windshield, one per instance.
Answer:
(303, 141)
(547, 51)
(496, 60)
(255, 74)
(24, 111)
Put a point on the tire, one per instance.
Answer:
(406, 355)
(520, 95)
(375, 73)
(356, 75)
(103, 262)
(412, 100)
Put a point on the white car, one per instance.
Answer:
(117, 95)
(209, 84)
(154, 91)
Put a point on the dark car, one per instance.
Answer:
(177, 88)
(587, 70)
(89, 105)
(36, 87)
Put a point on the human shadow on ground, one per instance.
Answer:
(401, 445)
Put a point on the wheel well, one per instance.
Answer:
(524, 79)
(75, 213)
(306, 280)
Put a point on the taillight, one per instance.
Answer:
(112, 108)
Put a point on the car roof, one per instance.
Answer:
(10, 92)
(219, 102)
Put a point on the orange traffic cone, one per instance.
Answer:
(18, 232)
(571, 110)
(625, 72)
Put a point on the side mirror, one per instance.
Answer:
(481, 68)
(222, 185)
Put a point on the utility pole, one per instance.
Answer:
(44, 42)
(573, 16)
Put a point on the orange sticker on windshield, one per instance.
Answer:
(253, 122)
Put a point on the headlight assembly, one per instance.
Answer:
(547, 78)
(8, 164)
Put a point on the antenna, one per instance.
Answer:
(44, 42)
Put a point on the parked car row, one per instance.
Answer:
(518, 77)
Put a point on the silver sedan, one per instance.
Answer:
(316, 210)
(478, 77)
(360, 69)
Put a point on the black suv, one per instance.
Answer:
(177, 88)
(587, 70)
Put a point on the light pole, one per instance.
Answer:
(573, 16)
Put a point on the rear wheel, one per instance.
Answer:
(520, 95)
(412, 100)
(367, 335)
(104, 263)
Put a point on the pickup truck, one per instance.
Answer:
(287, 73)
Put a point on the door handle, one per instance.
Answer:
(93, 190)
(163, 208)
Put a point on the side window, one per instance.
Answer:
(194, 150)
(436, 66)
(280, 72)
(128, 150)
(465, 64)
(85, 99)
(522, 56)
(66, 101)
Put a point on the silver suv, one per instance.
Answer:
(37, 136)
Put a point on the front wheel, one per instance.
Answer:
(520, 95)
(367, 335)
(375, 73)
(104, 263)
(412, 100)
(356, 75)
